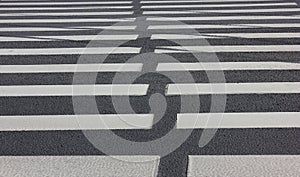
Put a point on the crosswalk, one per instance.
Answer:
(51, 61)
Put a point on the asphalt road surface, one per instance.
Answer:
(132, 88)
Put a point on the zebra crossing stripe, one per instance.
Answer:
(233, 88)
(76, 122)
(218, 5)
(71, 28)
(213, 66)
(74, 90)
(72, 20)
(65, 14)
(101, 166)
(63, 3)
(231, 48)
(239, 120)
(201, 1)
(243, 165)
(67, 68)
(64, 8)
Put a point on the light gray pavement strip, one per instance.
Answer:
(102, 166)
(244, 165)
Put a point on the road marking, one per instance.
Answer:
(229, 26)
(226, 35)
(233, 88)
(214, 66)
(72, 20)
(65, 14)
(243, 165)
(64, 8)
(222, 18)
(102, 166)
(223, 11)
(232, 48)
(239, 120)
(218, 5)
(74, 90)
(76, 122)
(73, 37)
(63, 3)
(68, 51)
(195, 1)
(67, 68)
(71, 28)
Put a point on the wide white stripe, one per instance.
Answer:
(195, 1)
(101, 166)
(74, 90)
(64, 8)
(223, 11)
(233, 88)
(211, 66)
(63, 3)
(72, 28)
(61, 20)
(222, 18)
(73, 37)
(68, 51)
(65, 14)
(67, 68)
(226, 35)
(243, 165)
(232, 48)
(76, 122)
(218, 5)
(229, 26)
(239, 120)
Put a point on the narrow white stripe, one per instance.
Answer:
(73, 37)
(72, 28)
(101, 166)
(244, 165)
(82, 20)
(210, 66)
(74, 90)
(218, 5)
(226, 35)
(239, 120)
(229, 26)
(66, 68)
(65, 14)
(233, 88)
(233, 48)
(195, 1)
(76, 122)
(68, 51)
(64, 8)
(221, 18)
(223, 11)
(63, 3)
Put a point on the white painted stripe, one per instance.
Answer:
(212, 66)
(262, 17)
(229, 26)
(74, 90)
(75, 20)
(68, 51)
(218, 5)
(73, 37)
(195, 1)
(67, 68)
(65, 14)
(65, 8)
(101, 166)
(243, 165)
(233, 88)
(223, 11)
(226, 35)
(232, 48)
(72, 28)
(239, 120)
(76, 122)
(63, 3)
